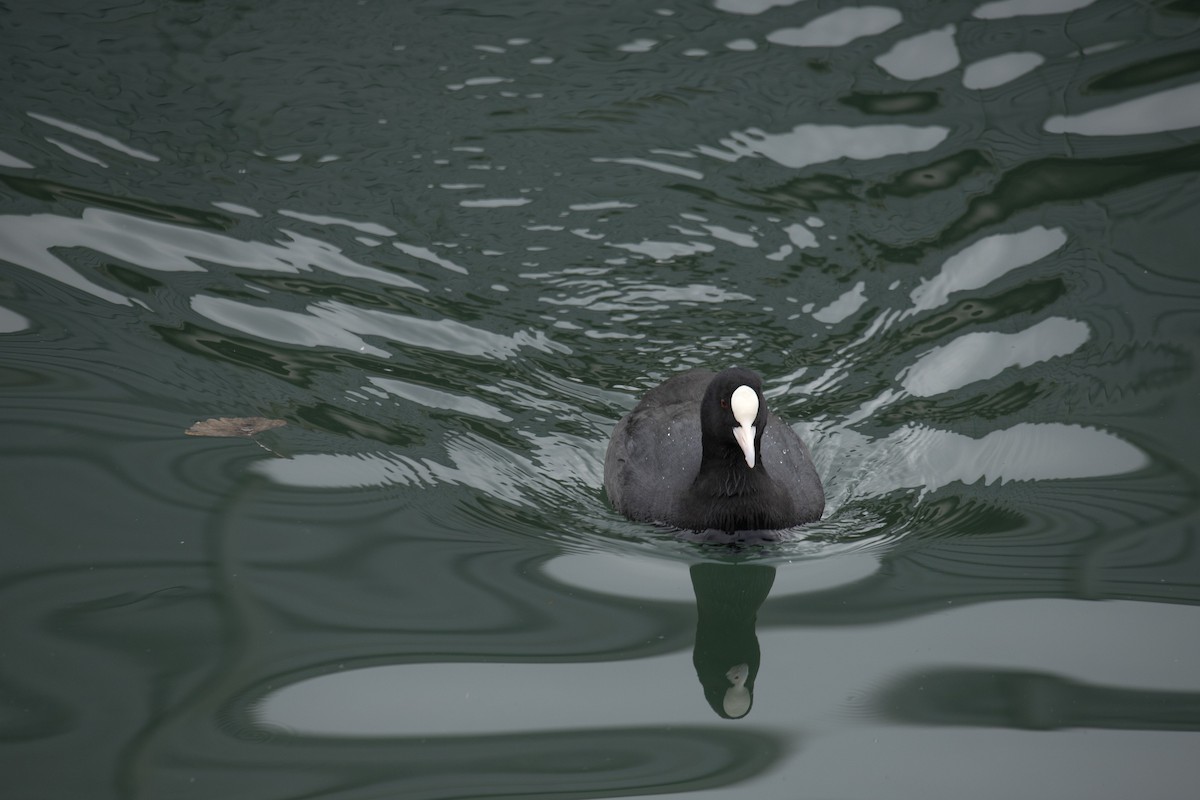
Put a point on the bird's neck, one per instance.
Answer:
(729, 495)
(726, 474)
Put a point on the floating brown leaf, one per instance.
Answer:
(233, 426)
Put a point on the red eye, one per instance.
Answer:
(724, 403)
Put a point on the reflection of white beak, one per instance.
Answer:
(745, 439)
(737, 697)
(737, 674)
(744, 405)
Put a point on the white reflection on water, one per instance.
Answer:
(926, 459)
(973, 267)
(843, 307)
(236, 208)
(372, 228)
(557, 464)
(12, 162)
(77, 153)
(488, 698)
(440, 400)
(801, 236)
(483, 80)
(1002, 9)
(278, 325)
(981, 355)
(733, 237)
(989, 73)
(647, 578)
(1103, 47)
(495, 202)
(343, 471)
(815, 144)
(1069, 638)
(638, 46)
(839, 27)
(984, 261)
(425, 254)
(334, 324)
(922, 56)
(658, 166)
(11, 321)
(165, 247)
(1168, 110)
(751, 6)
(742, 45)
(604, 205)
(664, 251)
(633, 575)
(592, 289)
(94, 136)
(474, 462)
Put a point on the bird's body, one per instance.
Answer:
(675, 459)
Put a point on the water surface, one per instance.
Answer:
(449, 245)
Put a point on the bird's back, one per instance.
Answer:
(655, 450)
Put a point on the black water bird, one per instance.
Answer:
(702, 452)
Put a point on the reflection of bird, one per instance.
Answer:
(737, 697)
(701, 451)
(728, 597)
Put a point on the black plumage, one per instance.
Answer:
(674, 460)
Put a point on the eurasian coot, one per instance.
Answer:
(701, 451)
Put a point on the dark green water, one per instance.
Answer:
(449, 245)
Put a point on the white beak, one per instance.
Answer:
(745, 439)
(744, 404)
